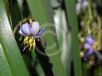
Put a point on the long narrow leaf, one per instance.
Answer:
(4, 67)
(11, 50)
(72, 19)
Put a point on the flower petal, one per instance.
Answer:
(89, 52)
(20, 32)
(89, 40)
(40, 33)
(26, 29)
(34, 28)
(87, 46)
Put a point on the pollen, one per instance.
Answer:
(29, 42)
(96, 46)
(26, 40)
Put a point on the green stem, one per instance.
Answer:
(90, 9)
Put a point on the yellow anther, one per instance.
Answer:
(96, 46)
(26, 40)
(31, 43)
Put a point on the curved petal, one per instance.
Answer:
(20, 32)
(87, 46)
(40, 33)
(26, 29)
(89, 40)
(34, 28)
(89, 52)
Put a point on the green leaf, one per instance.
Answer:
(12, 53)
(4, 67)
(72, 19)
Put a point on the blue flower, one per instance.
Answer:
(30, 31)
(88, 52)
(89, 41)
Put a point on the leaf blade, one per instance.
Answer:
(11, 50)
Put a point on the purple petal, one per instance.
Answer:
(40, 33)
(20, 32)
(25, 28)
(89, 40)
(89, 52)
(87, 46)
(34, 28)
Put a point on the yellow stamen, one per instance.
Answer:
(31, 43)
(26, 40)
(96, 46)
